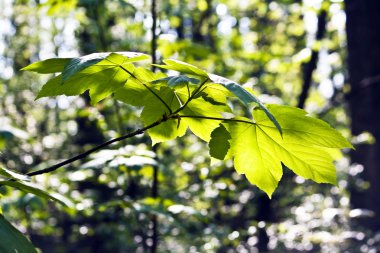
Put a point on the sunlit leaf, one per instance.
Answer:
(48, 66)
(101, 79)
(259, 150)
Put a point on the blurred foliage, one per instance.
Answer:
(202, 208)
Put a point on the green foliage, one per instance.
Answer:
(89, 73)
(48, 66)
(261, 146)
(12, 240)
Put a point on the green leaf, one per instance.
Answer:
(215, 94)
(193, 115)
(13, 240)
(134, 92)
(101, 79)
(77, 64)
(259, 150)
(183, 67)
(245, 96)
(302, 128)
(13, 175)
(154, 110)
(48, 66)
(31, 188)
(197, 113)
(219, 143)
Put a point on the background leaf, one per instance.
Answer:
(13, 240)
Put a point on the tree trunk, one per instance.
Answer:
(363, 38)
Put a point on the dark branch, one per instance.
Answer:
(105, 144)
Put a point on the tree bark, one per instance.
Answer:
(363, 38)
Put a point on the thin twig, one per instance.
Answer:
(137, 132)
(90, 151)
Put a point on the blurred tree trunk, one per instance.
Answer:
(363, 37)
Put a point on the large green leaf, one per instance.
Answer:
(48, 66)
(12, 240)
(101, 79)
(77, 64)
(259, 150)
(245, 96)
(31, 188)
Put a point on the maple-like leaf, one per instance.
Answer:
(259, 150)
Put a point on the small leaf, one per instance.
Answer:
(245, 96)
(183, 67)
(219, 143)
(13, 240)
(14, 175)
(31, 188)
(53, 65)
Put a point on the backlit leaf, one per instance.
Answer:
(101, 79)
(53, 65)
(259, 150)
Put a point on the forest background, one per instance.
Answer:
(323, 56)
